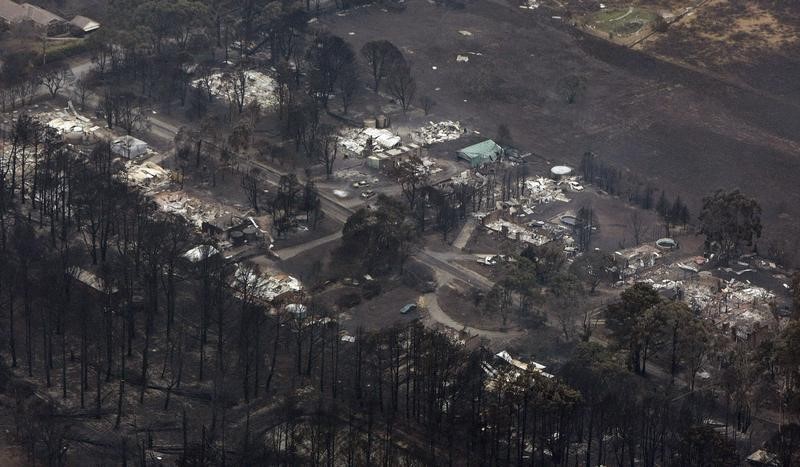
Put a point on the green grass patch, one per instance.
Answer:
(59, 50)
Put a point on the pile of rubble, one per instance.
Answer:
(521, 233)
(428, 166)
(355, 140)
(192, 209)
(469, 177)
(71, 126)
(147, 175)
(200, 253)
(265, 287)
(737, 306)
(733, 306)
(259, 87)
(633, 260)
(544, 190)
(438, 132)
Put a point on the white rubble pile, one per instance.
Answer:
(738, 306)
(200, 253)
(544, 190)
(354, 140)
(469, 177)
(635, 260)
(731, 305)
(262, 286)
(428, 166)
(148, 175)
(192, 209)
(514, 230)
(259, 87)
(438, 132)
(65, 123)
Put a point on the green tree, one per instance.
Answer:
(376, 241)
(593, 267)
(729, 221)
(623, 319)
(568, 293)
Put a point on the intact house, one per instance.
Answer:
(128, 147)
(12, 13)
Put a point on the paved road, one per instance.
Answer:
(292, 251)
(466, 232)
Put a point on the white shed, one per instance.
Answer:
(128, 147)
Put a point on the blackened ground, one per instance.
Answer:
(689, 131)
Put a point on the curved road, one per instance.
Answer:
(438, 315)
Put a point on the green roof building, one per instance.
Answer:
(481, 153)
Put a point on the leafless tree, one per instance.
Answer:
(81, 91)
(328, 148)
(54, 78)
(571, 86)
(427, 104)
(348, 84)
(236, 86)
(638, 228)
(252, 187)
(402, 85)
(129, 113)
(381, 56)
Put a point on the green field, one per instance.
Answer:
(620, 21)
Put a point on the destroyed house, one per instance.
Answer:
(91, 281)
(481, 153)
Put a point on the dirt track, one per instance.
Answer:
(688, 131)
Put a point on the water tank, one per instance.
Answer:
(560, 171)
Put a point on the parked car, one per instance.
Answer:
(367, 194)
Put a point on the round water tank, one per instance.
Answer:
(559, 171)
(666, 243)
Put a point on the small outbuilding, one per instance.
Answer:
(83, 25)
(481, 153)
(128, 147)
